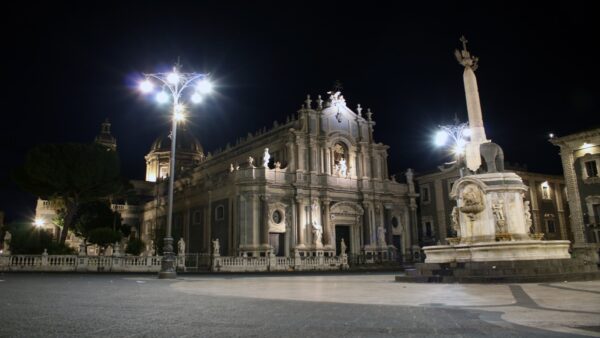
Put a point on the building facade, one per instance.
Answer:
(580, 155)
(301, 187)
(547, 198)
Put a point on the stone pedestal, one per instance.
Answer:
(492, 223)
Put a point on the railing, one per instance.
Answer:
(189, 262)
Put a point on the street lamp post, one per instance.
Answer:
(456, 136)
(174, 83)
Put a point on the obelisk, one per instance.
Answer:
(478, 137)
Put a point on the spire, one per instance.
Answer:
(105, 138)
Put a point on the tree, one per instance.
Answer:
(94, 215)
(103, 237)
(71, 173)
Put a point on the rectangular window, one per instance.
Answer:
(197, 217)
(425, 196)
(591, 169)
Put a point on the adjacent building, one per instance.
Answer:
(580, 155)
(547, 196)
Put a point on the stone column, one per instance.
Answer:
(327, 231)
(561, 211)
(352, 162)
(264, 226)
(301, 221)
(292, 162)
(328, 161)
(576, 213)
(438, 191)
(535, 209)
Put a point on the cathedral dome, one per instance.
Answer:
(186, 141)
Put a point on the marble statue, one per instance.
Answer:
(409, 180)
(216, 247)
(381, 236)
(7, 240)
(343, 167)
(181, 246)
(277, 165)
(342, 247)
(266, 158)
(498, 211)
(317, 230)
(528, 222)
(231, 168)
(150, 248)
(251, 161)
(472, 200)
(455, 221)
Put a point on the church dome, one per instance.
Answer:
(186, 141)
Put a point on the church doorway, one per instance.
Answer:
(342, 231)
(277, 241)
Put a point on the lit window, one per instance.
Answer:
(546, 191)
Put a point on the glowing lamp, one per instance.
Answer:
(204, 86)
(162, 97)
(146, 86)
(440, 138)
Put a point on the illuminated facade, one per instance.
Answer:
(580, 154)
(298, 188)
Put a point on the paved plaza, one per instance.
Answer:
(309, 305)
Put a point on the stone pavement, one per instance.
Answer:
(353, 305)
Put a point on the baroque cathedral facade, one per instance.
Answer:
(302, 186)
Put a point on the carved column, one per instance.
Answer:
(328, 161)
(301, 221)
(535, 209)
(561, 211)
(327, 232)
(292, 162)
(264, 238)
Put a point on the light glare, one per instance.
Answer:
(204, 86)
(179, 116)
(196, 98)
(146, 86)
(440, 138)
(39, 222)
(162, 97)
(173, 78)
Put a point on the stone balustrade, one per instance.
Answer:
(73, 263)
(257, 264)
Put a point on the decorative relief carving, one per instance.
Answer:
(472, 201)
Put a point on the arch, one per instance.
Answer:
(338, 136)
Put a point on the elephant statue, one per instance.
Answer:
(493, 156)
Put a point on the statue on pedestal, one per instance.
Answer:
(317, 230)
(342, 247)
(7, 240)
(266, 158)
(150, 248)
(216, 247)
(181, 247)
(381, 236)
(343, 167)
(455, 221)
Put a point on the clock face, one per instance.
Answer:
(277, 216)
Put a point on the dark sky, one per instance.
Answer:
(67, 67)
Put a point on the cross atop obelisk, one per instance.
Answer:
(478, 137)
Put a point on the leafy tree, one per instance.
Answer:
(103, 237)
(95, 215)
(71, 173)
(135, 246)
(27, 240)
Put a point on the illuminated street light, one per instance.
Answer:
(454, 136)
(174, 83)
(39, 222)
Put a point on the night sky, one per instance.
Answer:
(68, 67)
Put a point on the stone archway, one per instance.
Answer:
(347, 214)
